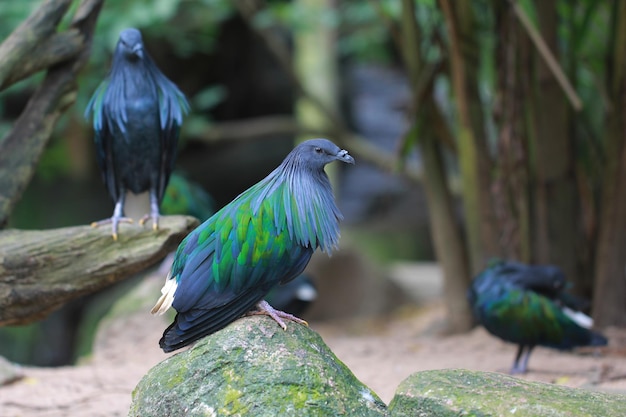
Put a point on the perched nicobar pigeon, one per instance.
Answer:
(264, 237)
(527, 305)
(137, 114)
(186, 197)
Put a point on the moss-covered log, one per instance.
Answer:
(40, 270)
(254, 368)
(453, 393)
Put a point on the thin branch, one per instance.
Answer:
(548, 57)
(457, 65)
(39, 26)
(249, 129)
(389, 23)
(51, 51)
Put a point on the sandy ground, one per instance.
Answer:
(380, 352)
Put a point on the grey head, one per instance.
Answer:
(130, 44)
(316, 153)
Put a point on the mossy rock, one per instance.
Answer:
(454, 393)
(254, 368)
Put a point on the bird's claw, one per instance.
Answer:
(155, 221)
(114, 221)
(264, 308)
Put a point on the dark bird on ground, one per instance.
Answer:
(183, 196)
(264, 237)
(527, 305)
(293, 297)
(137, 114)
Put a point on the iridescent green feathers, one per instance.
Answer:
(527, 305)
(264, 237)
(183, 196)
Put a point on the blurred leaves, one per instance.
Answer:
(54, 162)
(188, 28)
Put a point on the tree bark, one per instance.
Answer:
(449, 246)
(445, 231)
(51, 51)
(40, 270)
(35, 30)
(558, 230)
(21, 148)
(475, 162)
(510, 189)
(610, 274)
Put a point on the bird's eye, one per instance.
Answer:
(318, 149)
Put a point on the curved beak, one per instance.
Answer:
(344, 156)
(138, 50)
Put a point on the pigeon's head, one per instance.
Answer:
(130, 44)
(316, 153)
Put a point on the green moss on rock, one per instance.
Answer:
(254, 368)
(453, 393)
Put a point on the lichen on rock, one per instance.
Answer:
(454, 392)
(254, 368)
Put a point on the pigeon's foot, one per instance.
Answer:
(114, 221)
(153, 217)
(518, 371)
(267, 310)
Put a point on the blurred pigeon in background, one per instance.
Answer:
(137, 114)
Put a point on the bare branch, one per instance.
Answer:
(39, 26)
(40, 270)
(51, 51)
(548, 57)
(248, 129)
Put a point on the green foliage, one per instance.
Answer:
(13, 13)
(362, 35)
(209, 97)
(54, 161)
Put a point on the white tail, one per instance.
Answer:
(167, 297)
(581, 319)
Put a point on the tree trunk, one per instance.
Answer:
(510, 190)
(449, 245)
(476, 164)
(610, 277)
(445, 231)
(558, 232)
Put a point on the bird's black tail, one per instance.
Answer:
(596, 339)
(193, 325)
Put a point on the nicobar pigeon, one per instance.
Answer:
(186, 197)
(527, 305)
(264, 237)
(137, 114)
